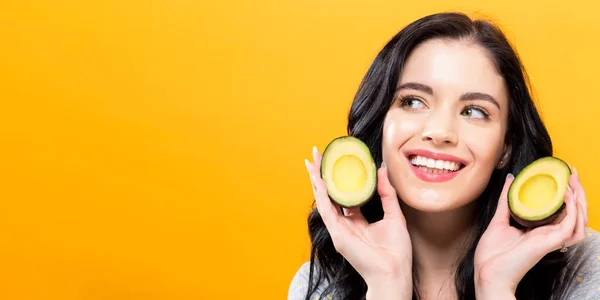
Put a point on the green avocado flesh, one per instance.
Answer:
(536, 196)
(349, 171)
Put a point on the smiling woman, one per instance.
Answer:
(446, 111)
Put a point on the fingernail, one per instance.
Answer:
(575, 171)
(383, 165)
(314, 152)
(510, 176)
(306, 163)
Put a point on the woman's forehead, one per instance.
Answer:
(453, 66)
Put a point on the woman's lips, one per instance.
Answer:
(434, 167)
(433, 177)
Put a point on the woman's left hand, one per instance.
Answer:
(505, 254)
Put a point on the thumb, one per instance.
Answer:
(502, 215)
(387, 193)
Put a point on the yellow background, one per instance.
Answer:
(154, 149)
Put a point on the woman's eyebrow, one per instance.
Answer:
(479, 96)
(416, 86)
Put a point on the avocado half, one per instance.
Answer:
(536, 196)
(349, 171)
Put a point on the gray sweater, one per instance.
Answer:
(584, 280)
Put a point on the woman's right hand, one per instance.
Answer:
(380, 252)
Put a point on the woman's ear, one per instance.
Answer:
(505, 157)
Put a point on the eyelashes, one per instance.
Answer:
(470, 108)
(412, 103)
(406, 100)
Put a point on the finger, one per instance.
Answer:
(387, 193)
(579, 194)
(502, 215)
(560, 217)
(327, 209)
(316, 171)
(579, 232)
(564, 229)
(316, 156)
(354, 213)
(351, 211)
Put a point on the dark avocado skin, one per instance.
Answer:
(532, 224)
(545, 221)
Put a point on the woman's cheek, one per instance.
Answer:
(389, 132)
(399, 128)
(486, 147)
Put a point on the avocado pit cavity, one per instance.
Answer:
(349, 173)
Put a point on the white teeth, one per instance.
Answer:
(439, 164)
(434, 171)
(447, 165)
(431, 165)
(454, 166)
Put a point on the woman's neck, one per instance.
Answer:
(439, 240)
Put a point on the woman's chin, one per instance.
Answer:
(431, 200)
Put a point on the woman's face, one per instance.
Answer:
(444, 134)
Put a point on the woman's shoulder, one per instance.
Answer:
(299, 285)
(584, 278)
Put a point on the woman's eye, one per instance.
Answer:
(474, 112)
(412, 104)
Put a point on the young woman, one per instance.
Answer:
(447, 87)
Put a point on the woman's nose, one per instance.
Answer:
(440, 130)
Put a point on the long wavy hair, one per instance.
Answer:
(526, 136)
